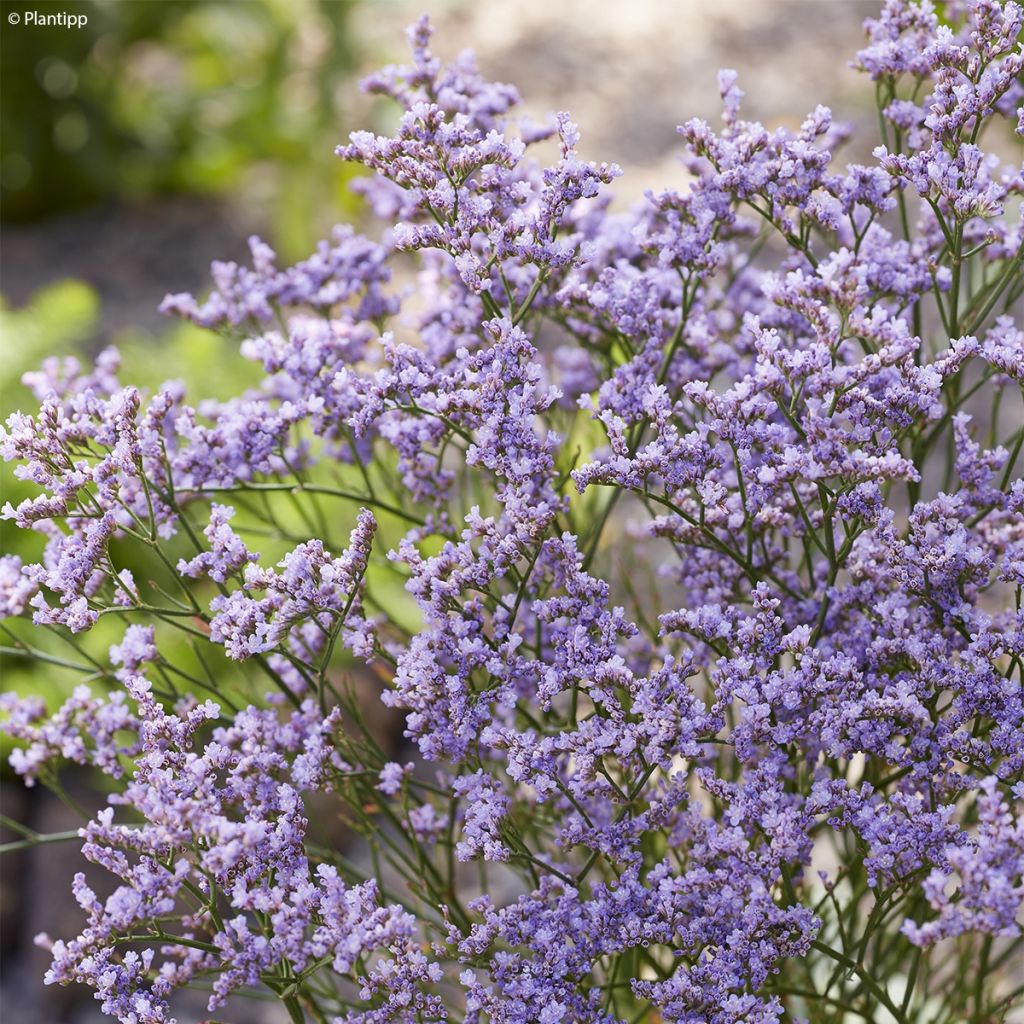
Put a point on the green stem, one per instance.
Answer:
(869, 983)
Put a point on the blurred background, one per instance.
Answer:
(156, 137)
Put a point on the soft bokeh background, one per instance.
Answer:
(136, 149)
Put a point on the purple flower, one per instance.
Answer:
(701, 617)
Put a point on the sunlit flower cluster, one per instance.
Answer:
(686, 541)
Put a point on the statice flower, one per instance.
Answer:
(311, 587)
(228, 553)
(85, 730)
(990, 885)
(343, 269)
(672, 668)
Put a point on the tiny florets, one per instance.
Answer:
(670, 663)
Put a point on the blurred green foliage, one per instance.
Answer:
(183, 95)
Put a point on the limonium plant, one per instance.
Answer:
(685, 543)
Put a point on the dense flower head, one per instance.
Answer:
(683, 545)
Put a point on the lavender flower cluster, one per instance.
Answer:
(710, 525)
